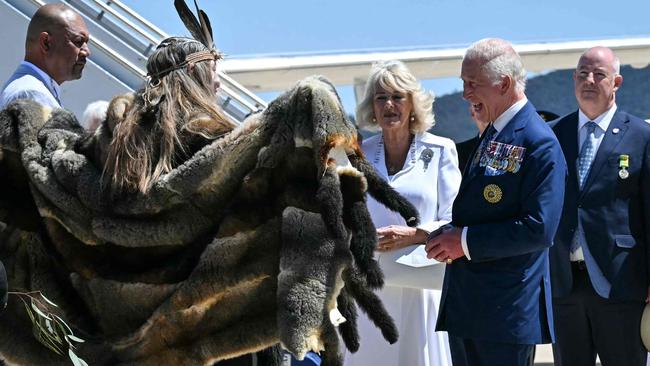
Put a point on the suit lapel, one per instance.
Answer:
(506, 136)
(470, 171)
(567, 134)
(607, 146)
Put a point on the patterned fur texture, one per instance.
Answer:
(256, 240)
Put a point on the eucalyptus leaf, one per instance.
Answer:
(74, 338)
(48, 324)
(76, 361)
(48, 300)
(63, 324)
(39, 311)
(29, 312)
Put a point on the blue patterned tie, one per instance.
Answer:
(489, 135)
(587, 153)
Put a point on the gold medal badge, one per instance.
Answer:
(623, 164)
(492, 193)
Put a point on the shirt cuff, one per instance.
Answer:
(463, 243)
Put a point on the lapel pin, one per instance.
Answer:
(623, 164)
(615, 130)
(492, 193)
(426, 156)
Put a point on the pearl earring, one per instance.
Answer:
(412, 118)
(374, 119)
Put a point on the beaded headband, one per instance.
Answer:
(200, 29)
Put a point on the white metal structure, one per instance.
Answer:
(120, 43)
(279, 73)
(121, 40)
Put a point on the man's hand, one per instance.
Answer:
(394, 237)
(445, 246)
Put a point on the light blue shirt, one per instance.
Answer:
(602, 122)
(30, 82)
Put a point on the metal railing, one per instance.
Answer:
(237, 101)
(123, 40)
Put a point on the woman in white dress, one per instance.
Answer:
(424, 169)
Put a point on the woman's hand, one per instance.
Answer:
(394, 237)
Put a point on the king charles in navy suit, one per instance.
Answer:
(496, 299)
(599, 264)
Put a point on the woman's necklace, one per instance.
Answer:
(392, 169)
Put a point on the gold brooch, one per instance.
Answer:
(492, 193)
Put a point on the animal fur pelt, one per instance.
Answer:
(253, 241)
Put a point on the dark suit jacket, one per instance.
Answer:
(466, 151)
(614, 212)
(503, 293)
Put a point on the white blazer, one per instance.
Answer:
(430, 186)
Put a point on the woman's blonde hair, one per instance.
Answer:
(394, 76)
(176, 108)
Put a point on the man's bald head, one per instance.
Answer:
(597, 79)
(50, 18)
(605, 54)
(57, 42)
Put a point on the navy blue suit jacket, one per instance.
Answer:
(503, 294)
(614, 212)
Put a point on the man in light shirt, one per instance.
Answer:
(56, 49)
(496, 296)
(599, 263)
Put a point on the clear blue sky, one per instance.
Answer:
(245, 28)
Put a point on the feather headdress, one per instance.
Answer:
(201, 31)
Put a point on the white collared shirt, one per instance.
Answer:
(602, 122)
(499, 124)
(502, 121)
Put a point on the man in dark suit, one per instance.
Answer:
(466, 148)
(599, 264)
(56, 48)
(496, 293)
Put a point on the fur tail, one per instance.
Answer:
(348, 329)
(371, 305)
(364, 237)
(384, 193)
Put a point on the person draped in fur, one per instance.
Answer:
(172, 117)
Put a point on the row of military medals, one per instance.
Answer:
(503, 156)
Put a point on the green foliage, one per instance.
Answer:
(48, 328)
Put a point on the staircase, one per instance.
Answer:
(120, 42)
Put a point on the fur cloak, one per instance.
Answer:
(259, 238)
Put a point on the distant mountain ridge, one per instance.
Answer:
(551, 92)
